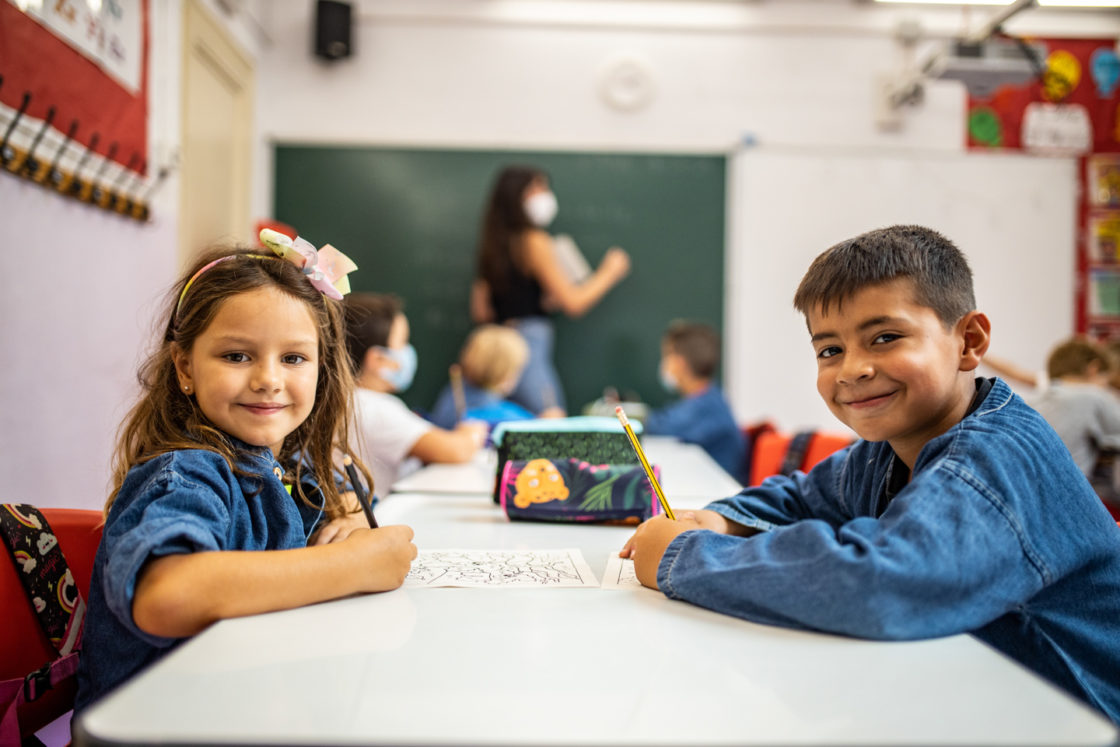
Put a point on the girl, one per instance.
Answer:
(518, 270)
(230, 449)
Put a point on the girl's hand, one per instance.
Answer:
(649, 542)
(339, 529)
(383, 556)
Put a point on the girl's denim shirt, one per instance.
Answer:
(997, 534)
(179, 502)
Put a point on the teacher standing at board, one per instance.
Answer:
(520, 279)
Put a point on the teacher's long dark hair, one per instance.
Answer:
(503, 222)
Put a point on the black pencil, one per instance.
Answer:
(359, 491)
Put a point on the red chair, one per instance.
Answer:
(770, 450)
(23, 646)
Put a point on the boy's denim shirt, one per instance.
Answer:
(179, 502)
(997, 534)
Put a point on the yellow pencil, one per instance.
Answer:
(456, 375)
(645, 463)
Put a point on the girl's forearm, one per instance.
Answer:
(180, 595)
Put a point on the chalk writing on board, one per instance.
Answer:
(501, 568)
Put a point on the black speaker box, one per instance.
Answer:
(332, 29)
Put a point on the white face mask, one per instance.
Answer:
(541, 208)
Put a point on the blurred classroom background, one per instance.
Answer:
(723, 143)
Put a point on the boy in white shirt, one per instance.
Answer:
(393, 440)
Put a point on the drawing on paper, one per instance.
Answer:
(500, 568)
(620, 573)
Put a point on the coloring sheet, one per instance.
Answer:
(501, 569)
(620, 573)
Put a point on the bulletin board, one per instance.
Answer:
(89, 69)
(410, 218)
(1072, 109)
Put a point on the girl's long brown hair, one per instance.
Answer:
(165, 419)
(503, 224)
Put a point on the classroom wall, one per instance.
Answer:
(790, 83)
(447, 73)
(78, 301)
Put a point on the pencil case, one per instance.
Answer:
(595, 440)
(572, 490)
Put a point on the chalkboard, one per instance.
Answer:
(410, 219)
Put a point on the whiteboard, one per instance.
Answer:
(1013, 216)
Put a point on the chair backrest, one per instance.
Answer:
(770, 451)
(23, 646)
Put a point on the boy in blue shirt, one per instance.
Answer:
(689, 360)
(960, 510)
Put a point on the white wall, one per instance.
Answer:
(79, 299)
(794, 77)
(81, 286)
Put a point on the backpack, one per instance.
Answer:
(46, 693)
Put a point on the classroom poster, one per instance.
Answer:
(90, 66)
(1072, 108)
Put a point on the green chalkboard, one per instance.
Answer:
(410, 219)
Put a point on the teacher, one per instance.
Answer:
(520, 279)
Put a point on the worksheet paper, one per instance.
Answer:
(620, 573)
(505, 569)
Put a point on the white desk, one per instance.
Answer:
(459, 667)
(689, 477)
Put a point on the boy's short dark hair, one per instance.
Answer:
(1073, 358)
(369, 318)
(939, 272)
(697, 343)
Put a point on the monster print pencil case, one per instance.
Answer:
(596, 440)
(573, 490)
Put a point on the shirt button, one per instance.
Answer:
(278, 472)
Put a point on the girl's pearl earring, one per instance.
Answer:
(186, 388)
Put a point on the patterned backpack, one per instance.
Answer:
(53, 594)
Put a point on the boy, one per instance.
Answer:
(491, 362)
(1079, 403)
(383, 361)
(689, 360)
(959, 511)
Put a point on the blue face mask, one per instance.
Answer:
(667, 380)
(400, 378)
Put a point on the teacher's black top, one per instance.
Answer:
(521, 299)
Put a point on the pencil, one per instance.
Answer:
(456, 374)
(645, 463)
(359, 491)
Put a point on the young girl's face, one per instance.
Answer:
(253, 372)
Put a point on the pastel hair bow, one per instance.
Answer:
(326, 268)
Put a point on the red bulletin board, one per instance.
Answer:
(1077, 73)
(34, 60)
(1078, 98)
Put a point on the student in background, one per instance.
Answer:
(520, 280)
(490, 365)
(229, 449)
(689, 360)
(1079, 402)
(384, 361)
(960, 511)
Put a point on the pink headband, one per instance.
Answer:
(326, 268)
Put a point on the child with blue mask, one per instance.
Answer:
(690, 354)
(391, 439)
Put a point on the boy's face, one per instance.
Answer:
(889, 370)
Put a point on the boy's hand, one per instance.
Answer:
(649, 542)
(384, 556)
